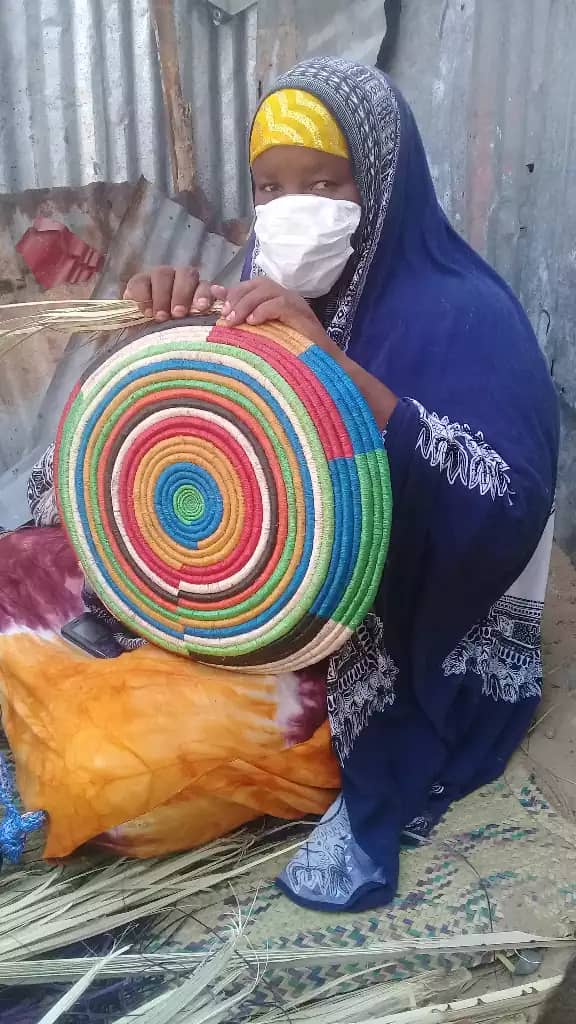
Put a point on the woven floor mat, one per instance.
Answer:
(501, 860)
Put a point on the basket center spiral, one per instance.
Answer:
(187, 502)
(227, 493)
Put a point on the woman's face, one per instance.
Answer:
(296, 171)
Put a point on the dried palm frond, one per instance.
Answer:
(193, 1001)
(489, 1006)
(323, 1007)
(73, 994)
(89, 316)
(191, 1004)
(41, 971)
(202, 998)
(22, 971)
(72, 908)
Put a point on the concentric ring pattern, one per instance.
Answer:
(227, 493)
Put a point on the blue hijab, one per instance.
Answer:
(432, 696)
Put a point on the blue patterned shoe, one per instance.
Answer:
(330, 872)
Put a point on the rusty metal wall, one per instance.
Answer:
(80, 94)
(217, 67)
(293, 30)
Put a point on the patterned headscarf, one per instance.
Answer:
(364, 105)
(292, 117)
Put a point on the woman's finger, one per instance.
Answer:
(184, 286)
(203, 296)
(139, 289)
(239, 307)
(239, 292)
(270, 309)
(162, 279)
(279, 308)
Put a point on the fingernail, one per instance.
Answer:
(231, 317)
(226, 309)
(202, 303)
(149, 312)
(161, 316)
(179, 311)
(250, 319)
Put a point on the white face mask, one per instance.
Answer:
(304, 241)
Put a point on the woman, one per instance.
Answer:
(434, 693)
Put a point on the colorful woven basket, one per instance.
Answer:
(227, 493)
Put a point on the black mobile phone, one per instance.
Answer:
(92, 636)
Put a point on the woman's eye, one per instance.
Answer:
(324, 186)
(269, 189)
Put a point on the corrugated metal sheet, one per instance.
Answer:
(94, 214)
(81, 95)
(293, 30)
(492, 89)
(218, 71)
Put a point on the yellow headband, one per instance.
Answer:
(292, 117)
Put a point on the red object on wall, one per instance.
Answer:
(55, 255)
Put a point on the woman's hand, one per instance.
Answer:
(166, 292)
(257, 301)
(254, 302)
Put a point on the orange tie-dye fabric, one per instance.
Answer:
(148, 753)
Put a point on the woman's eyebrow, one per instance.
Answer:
(320, 166)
